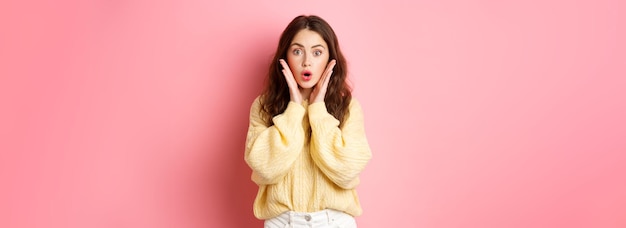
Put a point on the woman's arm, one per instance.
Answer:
(341, 153)
(272, 150)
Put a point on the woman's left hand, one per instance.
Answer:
(319, 92)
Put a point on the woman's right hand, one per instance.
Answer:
(294, 91)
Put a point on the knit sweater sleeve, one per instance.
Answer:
(272, 150)
(341, 153)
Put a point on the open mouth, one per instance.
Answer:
(306, 75)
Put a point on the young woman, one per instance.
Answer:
(306, 141)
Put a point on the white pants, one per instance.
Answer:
(322, 219)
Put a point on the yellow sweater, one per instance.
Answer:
(305, 162)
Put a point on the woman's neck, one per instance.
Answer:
(306, 93)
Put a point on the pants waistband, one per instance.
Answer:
(318, 217)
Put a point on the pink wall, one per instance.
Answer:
(479, 113)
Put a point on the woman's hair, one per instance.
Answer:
(275, 96)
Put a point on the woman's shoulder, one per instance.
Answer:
(354, 103)
(257, 99)
(256, 104)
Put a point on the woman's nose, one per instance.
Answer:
(306, 61)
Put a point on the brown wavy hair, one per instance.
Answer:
(275, 96)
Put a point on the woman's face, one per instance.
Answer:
(307, 57)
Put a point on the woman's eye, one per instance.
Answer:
(297, 52)
(317, 53)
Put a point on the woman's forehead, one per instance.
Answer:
(308, 38)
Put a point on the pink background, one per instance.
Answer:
(479, 113)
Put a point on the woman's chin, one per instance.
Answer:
(306, 85)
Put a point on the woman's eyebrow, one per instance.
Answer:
(314, 46)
